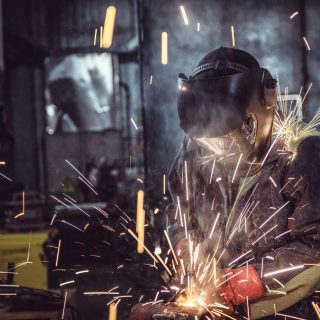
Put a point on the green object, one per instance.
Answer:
(298, 288)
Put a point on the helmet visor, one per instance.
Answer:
(216, 106)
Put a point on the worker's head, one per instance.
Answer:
(227, 105)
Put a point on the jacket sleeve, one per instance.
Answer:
(301, 248)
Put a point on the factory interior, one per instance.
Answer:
(89, 123)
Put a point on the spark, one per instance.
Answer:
(2, 175)
(134, 124)
(164, 48)
(182, 266)
(94, 191)
(19, 215)
(211, 174)
(235, 171)
(164, 184)
(184, 15)
(58, 253)
(186, 175)
(101, 36)
(273, 182)
(283, 270)
(74, 168)
(264, 234)
(170, 245)
(282, 234)
(2, 163)
(233, 37)
(198, 26)
(277, 281)
(95, 37)
(82, 271)
(71, 225)
(8, 294)
(151, 79)
(157, 250)
(316, 308)
(147, 250)
(185, 226)
(214, 225)
(163, 263)
(140, 220)
(86, 227)
(99, 293)
(306, 43)
(108, 28)
(273, 214)
(65, 283)
(294, 14)
(23, 207)
(60, 201)
(235, 260)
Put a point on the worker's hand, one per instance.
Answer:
(213, 299)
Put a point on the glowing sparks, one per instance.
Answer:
(151, 79)
(2, 163)
(294, 14)
(237, 259)
(140, 220)
(306, 43)
(236, 169)
(198, 26)
(147, 250)
(5, 177)
(64, 305)
(316, 308)
(233, 37)
(58, 253)
(171, 247)
(164, 184)
(186, 176)
(274, 214)
(214, 225)
(82, 271)
(108, 28)
(101, 36)
(95, 37)
(269, 274)
(66, 283)
(270, 178)
(134, 124)
(184, 15)
(164, 48)
(112, 311)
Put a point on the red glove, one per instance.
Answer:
(244, 282)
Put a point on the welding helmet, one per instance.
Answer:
(228, 96)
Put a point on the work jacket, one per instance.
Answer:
(270, 220)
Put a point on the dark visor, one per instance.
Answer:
(216, 106)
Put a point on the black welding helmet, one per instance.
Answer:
(225, 87)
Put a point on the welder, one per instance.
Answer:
(236, 172)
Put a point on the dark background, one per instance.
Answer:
(34, 31)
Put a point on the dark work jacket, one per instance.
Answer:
(274, 220)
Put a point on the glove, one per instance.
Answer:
(244, 282)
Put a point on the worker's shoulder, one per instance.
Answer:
(309, 146)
